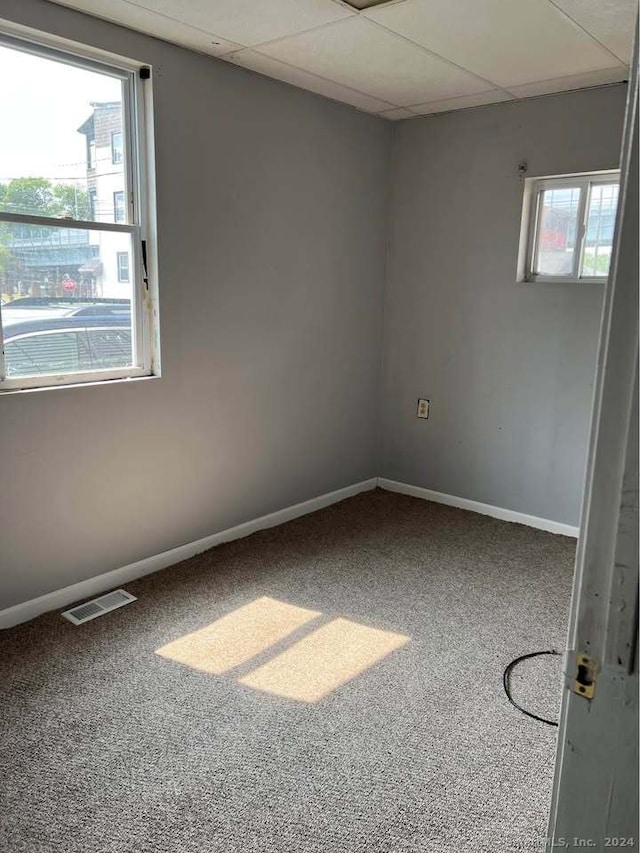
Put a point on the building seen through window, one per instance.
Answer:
(38, 258)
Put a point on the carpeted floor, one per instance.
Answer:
(109, 747)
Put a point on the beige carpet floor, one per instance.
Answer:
(333, 684)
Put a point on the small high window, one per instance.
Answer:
(74, 250)
(568, 227)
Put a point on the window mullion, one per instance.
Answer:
(585, 191)
(129, 149)
(59, 222)
(536, 215)
(2, 364)
(138, 299)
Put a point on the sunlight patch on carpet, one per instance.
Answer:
(322, 661)
(239, 636)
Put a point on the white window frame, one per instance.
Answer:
(530, 228)
(139, 191)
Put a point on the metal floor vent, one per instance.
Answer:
(99, 606)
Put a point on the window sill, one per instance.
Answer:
(124, 380)
(561, 280)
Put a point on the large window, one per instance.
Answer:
(77, 300)
(570, 224)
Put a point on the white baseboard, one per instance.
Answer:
(110, 580)
(484, 509)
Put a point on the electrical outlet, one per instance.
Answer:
(423, 408)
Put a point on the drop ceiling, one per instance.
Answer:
(403, 58)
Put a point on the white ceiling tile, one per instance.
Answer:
(482, 98)
(567, 84)
(153, 24)
(372, 61)
(612, 22)
(397, 114)
(509, 42)
(272, 68)
(248, 22)
(365, 57)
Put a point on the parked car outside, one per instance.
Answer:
(43, 336)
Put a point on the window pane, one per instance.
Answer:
(108, 348)
(557, 231)
(62, 150)
(66, 306)
(53, 351)
(601, 220)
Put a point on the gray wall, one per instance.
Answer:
(271, 216)
(272, 209)
(508, 367)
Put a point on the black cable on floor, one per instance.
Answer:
(507, 686)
